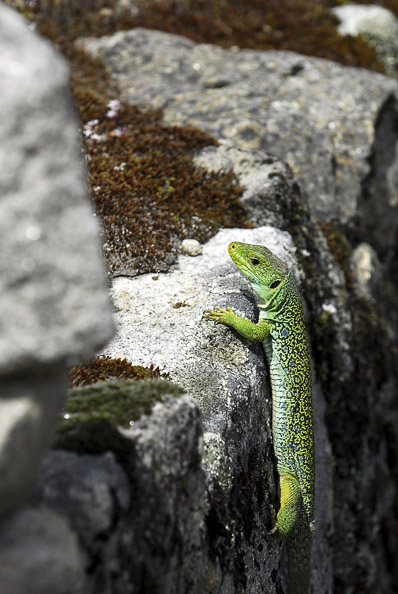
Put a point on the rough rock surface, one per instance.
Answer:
(152, 329)
(139, 512)
(54, 303)
(227, 377)
(338, 129)
(49, 246)
(90, 490)
(320, 117)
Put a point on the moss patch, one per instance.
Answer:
(118, 401)
(304, 26)
(96, 437)
(94, 414)
(337, 242)
(103, 368)
(142, 179)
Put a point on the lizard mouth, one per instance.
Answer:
(239, 260)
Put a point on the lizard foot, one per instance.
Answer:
(219, 315)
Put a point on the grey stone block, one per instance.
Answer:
(53, 298)
(54, 303)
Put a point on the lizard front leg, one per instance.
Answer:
(245, 327)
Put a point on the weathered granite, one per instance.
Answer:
(338, 128)
(156, 530)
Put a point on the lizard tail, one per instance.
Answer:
(293, 525)
(298, 544)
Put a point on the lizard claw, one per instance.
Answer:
(218, 314)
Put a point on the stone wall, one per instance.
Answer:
(178, 500)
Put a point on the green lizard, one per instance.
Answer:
(281, 328)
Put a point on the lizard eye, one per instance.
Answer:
(275, 284)
(255, 261)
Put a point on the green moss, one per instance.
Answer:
(103, 368)
(95, 436)
(119, 402)
(93, 415)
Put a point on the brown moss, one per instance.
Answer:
(133, 159)
(147, 190)
(142, 178)
(304, 26)
(104, 368)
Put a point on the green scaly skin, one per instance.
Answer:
(281, 328)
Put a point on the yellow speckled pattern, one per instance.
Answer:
(281, 328)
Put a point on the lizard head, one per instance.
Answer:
(266, 272)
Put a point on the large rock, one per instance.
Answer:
(141, 514)
(90, 490)
(227, 376)
(338, 129)
(141, 521)
(54, 302)
(53, 297)
(320, 117)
